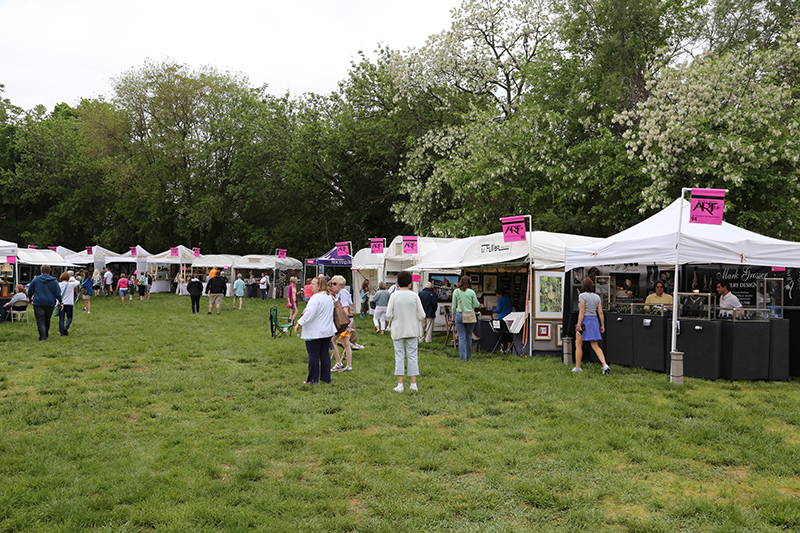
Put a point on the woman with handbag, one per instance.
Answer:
(465, 302)
(318, 328)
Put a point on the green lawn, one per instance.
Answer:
(147, 418)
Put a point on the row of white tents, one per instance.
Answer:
(141, 260)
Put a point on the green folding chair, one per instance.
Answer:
(278, 328)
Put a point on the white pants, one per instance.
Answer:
(406, 348)
(426, 330)
(380, 316)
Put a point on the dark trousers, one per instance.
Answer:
(195, 303)
(319, 360)
(43, 314)
(65, 319)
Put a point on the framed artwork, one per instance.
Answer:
(577, 276)
(475, 278)
(559, 333)
(544, 331)
(518, 280)
(489, 283)
(548, 294)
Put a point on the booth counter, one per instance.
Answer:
(744, 349)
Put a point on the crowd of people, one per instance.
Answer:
(407, 315)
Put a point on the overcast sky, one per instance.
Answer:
(55, 51)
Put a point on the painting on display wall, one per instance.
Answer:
(548, 294)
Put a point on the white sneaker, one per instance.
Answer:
(356, 346)
(338, 367)
(399, 388)
(576, 369)
(606, 369)
(347, 369)
(413, 386)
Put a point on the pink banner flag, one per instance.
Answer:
(514, 229)
(779, 269)
(33, 246)
(173, 251)
(89, 250)
(133, 251)
(281, 254)
(11, 259)
(196, 252)
(707, 206)
(416, 278)
(410, 245)
(54, 248)
(376, 246)
(343, 248)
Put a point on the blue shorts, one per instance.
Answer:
(123, 292)
(591, 331)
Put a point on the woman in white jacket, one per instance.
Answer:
(318, 329)
(405, 313)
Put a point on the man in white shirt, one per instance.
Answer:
(108, 280)
(727, 300)
(263, 285)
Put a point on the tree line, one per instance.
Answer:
(589, 115)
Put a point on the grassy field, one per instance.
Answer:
(147, 418)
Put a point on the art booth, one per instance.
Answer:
(751, 342)
(529, 272)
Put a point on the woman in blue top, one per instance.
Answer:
(464, 300)
(591, 324)
(503, 309)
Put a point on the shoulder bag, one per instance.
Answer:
(340, 318)
(467, 317)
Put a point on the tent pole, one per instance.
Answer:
(676, 280)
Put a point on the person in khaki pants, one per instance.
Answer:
(429, 303)
(216, 289)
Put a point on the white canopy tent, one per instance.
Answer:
(395, 260)
(653, 241)
(34, 256)
(218, 260)
(546, 251)
(542, 251)
(367, 265)
(260, 263)
(9, 249)
(184, 257)
(99, 257)
(140, 258)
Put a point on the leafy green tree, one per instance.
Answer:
(53, 196)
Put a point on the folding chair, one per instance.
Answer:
(17, 312)
(278, 328)
(495, 325)
(450, 324)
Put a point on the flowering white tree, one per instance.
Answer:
(485, 52)
(729, 121)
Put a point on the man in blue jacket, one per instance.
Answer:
(429, 303)
(44, 293)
